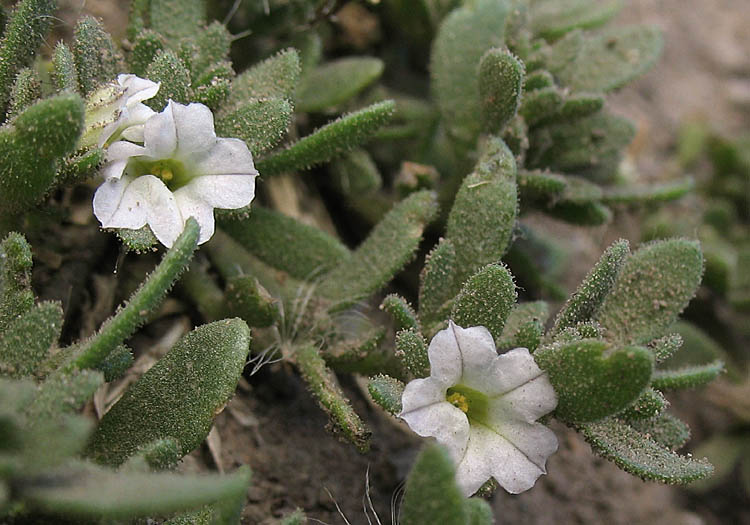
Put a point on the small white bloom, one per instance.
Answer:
(483, 407)
(182, 170)
(117, 110)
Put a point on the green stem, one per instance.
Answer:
(119, 327)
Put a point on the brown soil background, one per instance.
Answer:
(274, 425)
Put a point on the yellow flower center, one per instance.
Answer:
(458, 400)
(163, 171)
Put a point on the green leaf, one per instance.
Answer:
(590, 146)
(325, 388)
(666, 430)
(96, 58)
(213, 43)
(26, 91)
(16, 296)
(174, 76)
(117, 363)
(687, 377)
(149, 295)
(335, 82)
(178, 397)
(77, 168)
(665, 347)
(27, 339)
(138, 241)
(431, 494)
(501, 78)
(95, 493)
(268, 235)
(40, 135)
(275, 77)
(260, 123)
(148, 44)
(411, 349)
(648, 193)
(160, 454)
(386, 392)
(551, 19)
(436, 289)
(522, 313)
(587, 299)
(481, 222)
(612, 58)
(249, 301)
(649, 405)
(486, 299)
(640, 455)
(64, 73)
(24, 33)
(63, 393)
(390, 245)
(652, 288)
(479, 512)
(177, 19)
(592, 380)
(463, 37)
(541, 104)
(401, 311)
(335, 138)
(355, 174)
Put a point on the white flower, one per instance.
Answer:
(182, 170)
(483, 406)
(117, 111)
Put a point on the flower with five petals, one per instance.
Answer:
(182, 169)
(483, 407)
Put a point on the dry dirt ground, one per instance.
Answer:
(274, 425)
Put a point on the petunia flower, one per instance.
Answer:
(181, 170)
(116, 111)
(483, 407)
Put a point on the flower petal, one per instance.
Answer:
(118, 155)
(445, 356)
(527, 403)
(192, 206)
(478, 354)
(511, 370)
(195, 128)
(226, 157)
(160, 134)
(145, 200)
(107, 198)
(422, 392)
(441, 420)
(137, 89)
(222, 191)
(516, 468)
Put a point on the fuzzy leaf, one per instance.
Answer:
(275, 77)
(160, 454)
(411, 349)
(116, 329)
(665, 347)
(612, 58)
(650, 404)
(28, 338)
(117, 363)
(174, 76)
(481, 222)
(268, 235)
(177, 19)
(335, 82)
(325, 388)
(551, 19)
(95, 493)
(24, 33)
(479, 512)
(248, 300)
(148, 44)
(63, 393)
(260, 123)
(355, 174)
(522, 313)
(16, 296)
(463, 37)
(96, 58)
(587, 299)
(647, 194)
(332, 140)
(401, 311)
(64, 73)
(640, 455)
(591, 380)
(436, 289)
(386, 392)
(178, 397)
(76, 169)
(688, 377)
(26, 91)
(40, 135)
(541, 104)
(590, 146)
(501, 78)
(665, 429)
(431, 494)
(213, 43)
(390, 245)
(486, 299)
(652, 288)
